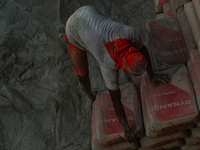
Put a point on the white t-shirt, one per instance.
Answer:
(89, 30)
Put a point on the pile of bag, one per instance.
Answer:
(107, 131)
(170, 112)
(179, 26)
(188, 14)
(193, 141)
(164, 109)
(165, 43)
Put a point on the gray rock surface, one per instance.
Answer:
(40, 99)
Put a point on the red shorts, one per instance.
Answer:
(79, 59)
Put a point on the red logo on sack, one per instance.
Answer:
(168, 102)
(170, 46)
(108, 123)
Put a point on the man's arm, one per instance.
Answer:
(120, 113)
(154, 78)
(86, 86)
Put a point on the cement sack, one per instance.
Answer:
(194, 70)
(172, 145)
(151, 133)
(164, 105)
(167, 9)
(186, 30)
(147, 142)
(156, 63)
(182, 2)
(191, 140)
(196, 132)
(190, 147)
(174, 5)
(167, 43)
(159, 5)
(160, 16)
(193, 20)
(197, 7)
(97, 146)
(109, 129)
(154, 134)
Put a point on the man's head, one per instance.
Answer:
(134, 63)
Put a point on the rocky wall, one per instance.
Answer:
(40, 99)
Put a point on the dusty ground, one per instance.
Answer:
(40, 99)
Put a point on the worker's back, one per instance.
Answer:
(89, 30)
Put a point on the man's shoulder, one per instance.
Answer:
(85, 9)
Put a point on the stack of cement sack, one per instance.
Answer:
(186, 29)
(169, 110)
(188, 14)
(194, 70)
(192, 16)
(107, 132)
(193, 141)
(165, 43)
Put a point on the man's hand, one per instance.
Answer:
(154, 78)
(129, 136)
(120, 113)
(159, 78)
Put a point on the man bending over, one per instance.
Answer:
(114, 46)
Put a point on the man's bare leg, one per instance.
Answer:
(84, 84)
(86, 87)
